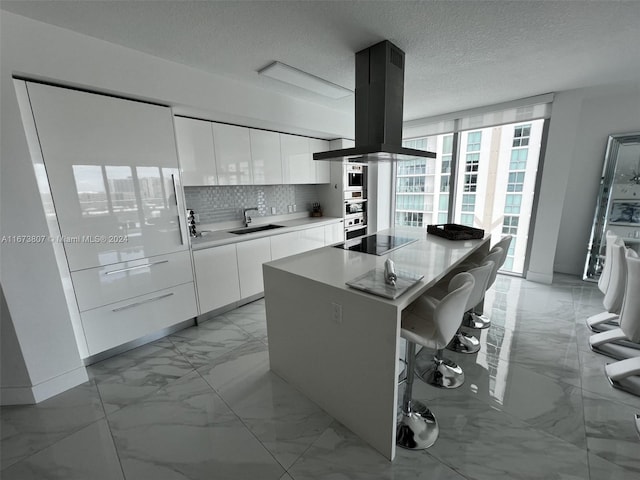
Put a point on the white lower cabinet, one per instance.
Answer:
(311, 238)
(251, 256)
(233, 272)
(217, 277)
(284, 245)
(112, 325)
(99, 286)
(333, 233)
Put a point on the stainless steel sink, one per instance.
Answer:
(255, 229)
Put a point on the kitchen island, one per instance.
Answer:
(339, 345)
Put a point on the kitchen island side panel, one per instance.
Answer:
(348, 366)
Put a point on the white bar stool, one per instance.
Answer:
(472, 318)
(497, 254)
(430, 323)
(442, 372)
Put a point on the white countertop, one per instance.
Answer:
(214, 235)
(431, 256)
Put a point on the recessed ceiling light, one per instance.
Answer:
(293, 76)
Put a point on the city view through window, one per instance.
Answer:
(493, 183)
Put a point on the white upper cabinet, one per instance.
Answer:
(196, 152)
(297, 164)
(219, 154)
(265, 157)
(323, 173)
(233, 154)
(113, 170)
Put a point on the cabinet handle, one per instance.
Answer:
(179, 208)
(136, 267)
(131, 305)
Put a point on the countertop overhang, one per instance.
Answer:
(431, 256)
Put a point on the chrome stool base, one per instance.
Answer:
(438, 371)
(418, 428)
(464, 343)
(474, 320)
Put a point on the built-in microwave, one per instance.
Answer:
(355, 177)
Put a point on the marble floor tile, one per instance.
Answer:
(338, 454)
(86, 454)
(203, 343)
(601, 469)
(484, 443)
(582, 337)
(28, 429)
(131, 376)
(251, 318)
(611, 432)
(595, 381)
(552, 355)
(186, 431)
(546, 404)
(283, 419)
(202, 403)
(131, 358)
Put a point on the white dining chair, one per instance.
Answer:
(616, 343)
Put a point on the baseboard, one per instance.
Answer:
(29, 395)
(545, 278)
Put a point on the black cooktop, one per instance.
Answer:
(376, 244)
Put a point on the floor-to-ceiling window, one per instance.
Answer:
(491, 173)
(496, 183)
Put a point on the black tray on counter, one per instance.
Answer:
(453, 231)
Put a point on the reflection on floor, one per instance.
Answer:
(202, 404)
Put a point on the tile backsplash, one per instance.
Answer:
(225, 203)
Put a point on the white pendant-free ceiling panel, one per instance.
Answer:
(459, 54)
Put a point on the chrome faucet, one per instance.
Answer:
(247, 218)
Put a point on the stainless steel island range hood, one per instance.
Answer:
(379, 98)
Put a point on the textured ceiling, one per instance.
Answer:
(459, 54)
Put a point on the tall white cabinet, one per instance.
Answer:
(113, 172)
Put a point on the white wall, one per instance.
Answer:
(581, 121)
(28, 273)
(12, 371)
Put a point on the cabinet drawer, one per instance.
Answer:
(104, 285)
(112, 325)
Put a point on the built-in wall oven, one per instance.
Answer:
(355, 200)
(355, 207)
(355, 226)
(355, 177)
